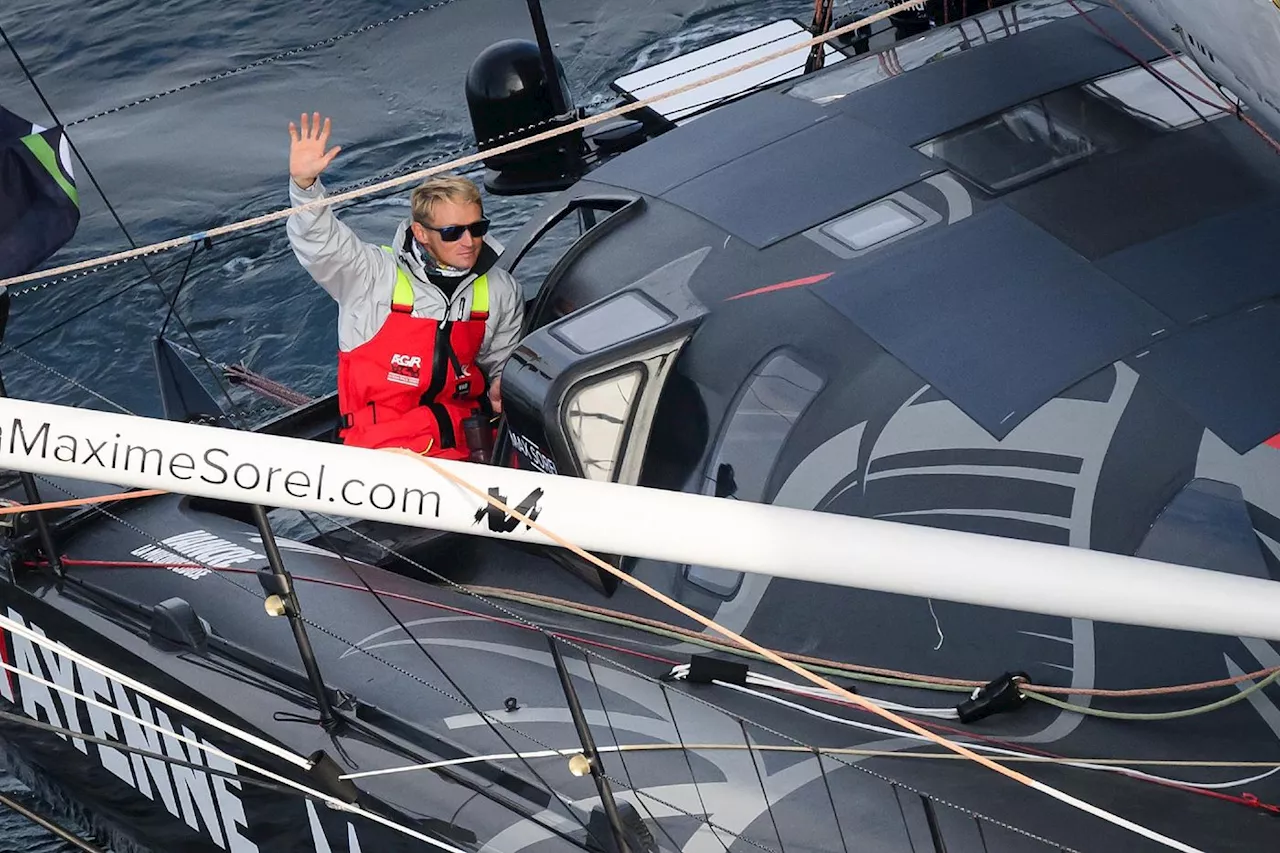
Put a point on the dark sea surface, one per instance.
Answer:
(218, 153)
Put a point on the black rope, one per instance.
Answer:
(195, 247)
(760, 778)
(905, 826)
(982, 836)
(835, 812)
(324, 537)
(626, 771)
(259, 63)
(115, 215)
(684, 750)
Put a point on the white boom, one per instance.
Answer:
(826, 548)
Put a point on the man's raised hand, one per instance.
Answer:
(307, 157)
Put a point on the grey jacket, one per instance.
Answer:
(361, 277)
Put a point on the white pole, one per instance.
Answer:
(61, 441)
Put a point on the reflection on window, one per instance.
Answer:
(873, 224)
(1145, 97)
(1036, 138)
(596, 416)
(852, 75)
(774, 398)
(625, 316)
(550, 246)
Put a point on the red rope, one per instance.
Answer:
(1168, 52)
(1245, 799)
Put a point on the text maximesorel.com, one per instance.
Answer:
(214, 466)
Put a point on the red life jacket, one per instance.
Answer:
(413, 382)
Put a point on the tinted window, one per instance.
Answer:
(772, 400)
(1037, 138)
(596, 416)
(532, 267)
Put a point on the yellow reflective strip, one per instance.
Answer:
(403, 294)
(480, 295)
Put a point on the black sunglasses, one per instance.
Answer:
(452, 233)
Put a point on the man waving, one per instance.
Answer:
(425, 324)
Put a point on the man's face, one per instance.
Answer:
(460, 253)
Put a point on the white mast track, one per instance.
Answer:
(276, 471)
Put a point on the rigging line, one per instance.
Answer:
(328, 799)
(107, 201)
(95, 306)
(1161, 715)
(697, 789)
(626, 771)
(835, 812)
(195, 247)
(1235, 109)
(324, 537)
(832, 751)
(1020, 754)
(259, 63)
(690, 697)
(5, 349)
(643, 676)
(22, 720)
(842, 668)
(821, 681)
(18, 508)
(177, 704)
(905, 826)
(746, 738)
(426, 602)
(1178, 90)
(412, 676)
(464, 161)
(617, 664)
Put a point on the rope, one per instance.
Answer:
(842, 668)
(825, 750)
(222, 75)
(99, 499)
(775, 658)
(454, 164)
(5, 349)
(1188, 67)
(1155, 716)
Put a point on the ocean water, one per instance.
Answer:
(218, 152)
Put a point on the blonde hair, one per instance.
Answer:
(453, 188)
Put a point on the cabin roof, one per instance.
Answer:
(1153, 250)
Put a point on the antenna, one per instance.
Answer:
(29, 480)
(548, 58)
(281, 601)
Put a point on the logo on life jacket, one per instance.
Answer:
(405, 369)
